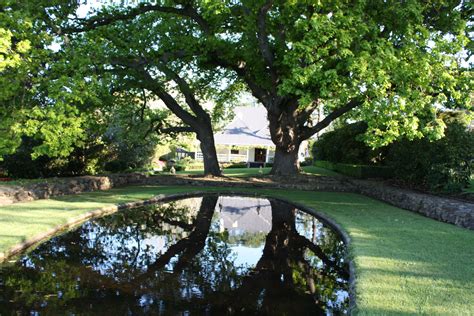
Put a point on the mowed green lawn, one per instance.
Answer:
(230, 172)
(250, 172)
(405, 263)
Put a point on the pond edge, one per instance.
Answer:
(107, 210)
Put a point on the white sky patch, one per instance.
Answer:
(55, 46)
(83, 10)
(88, 6)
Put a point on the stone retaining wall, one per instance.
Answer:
(442, 209)
(64, 186)
(439, 208)
(306, 183)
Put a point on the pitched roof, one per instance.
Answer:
(249, 127)
(239, 215)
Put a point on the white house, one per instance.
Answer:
(247, 138)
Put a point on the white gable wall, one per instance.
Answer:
(248, 128)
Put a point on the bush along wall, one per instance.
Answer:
(357, 171)
(445, 165)
(344, 145)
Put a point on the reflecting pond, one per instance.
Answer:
(211, 255)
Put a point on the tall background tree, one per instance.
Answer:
(41, 95)
(61, 90)
(157, 55)
(23, 58)
(388, 63)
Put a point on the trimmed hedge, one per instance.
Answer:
(234, 165)
(194, 166)
(357, 171)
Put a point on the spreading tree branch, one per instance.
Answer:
(263, 42)
(168, 99)
(85, 25)
(241, 70)
(307, 132)
(150, 83)
(186, 91)
(177, 129)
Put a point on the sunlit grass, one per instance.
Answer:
(231, 172)
(405, 263)
(249, 172)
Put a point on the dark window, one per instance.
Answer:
(234, 151)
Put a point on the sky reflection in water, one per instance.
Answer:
(205, 255)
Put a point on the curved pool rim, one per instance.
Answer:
(108, 210)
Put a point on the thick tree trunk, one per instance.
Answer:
(286, 162)
(209, 154)
(284, 131)
(187, 248)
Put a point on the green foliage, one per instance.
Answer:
(194, 165)
(21, 165)
(308, 161)
(60, 98)
(248, 239)
(329, 53)
(187, 163)
(310, 52)
(344, 145)
(357, 171)
(41, 98)
(332, 52)
(442, 165)
(115, 139)
(82, 160)
(234, 165)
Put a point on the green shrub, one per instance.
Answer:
(93, 158)
(308, 161)
(178, 167)
(325, 164)
(343, 146)
(357, 171)
(195, 165)
(81, 161)
(115, 166)
(21, 165)
(443, 165)
(183, 164)
(383, 172)
(234, 165)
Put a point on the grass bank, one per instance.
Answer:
(249, 172)
(405, 263)
(231, 172)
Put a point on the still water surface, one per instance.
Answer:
(215, 255)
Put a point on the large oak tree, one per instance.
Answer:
(391, 63)
(388, 63)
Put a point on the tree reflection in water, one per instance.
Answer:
(183, 257)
